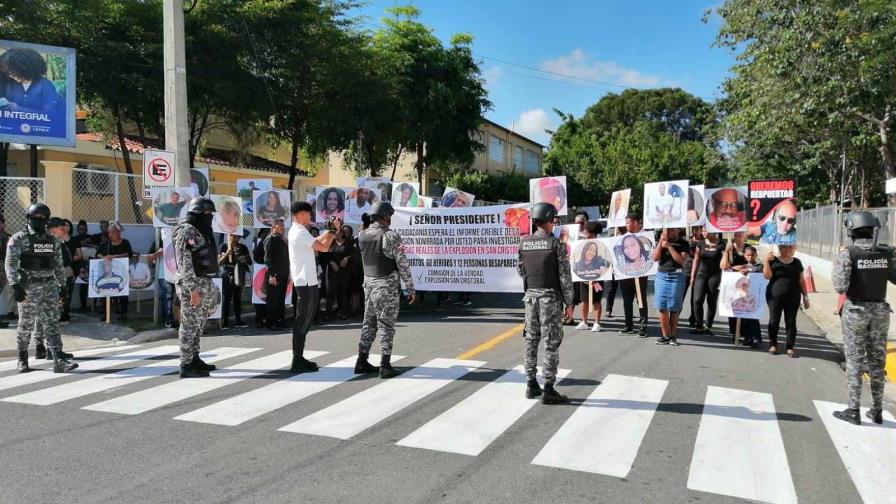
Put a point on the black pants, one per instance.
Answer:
(275, 309)
(628, 299)
(69, 288)
(232, 296)
(82, 295)
(339, 290)
(307, 299)
(610, 288)
(706, 292)
(789, 307)
(692, 319)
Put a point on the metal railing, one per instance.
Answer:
(101, 195)
(16, 195)
(820, 230)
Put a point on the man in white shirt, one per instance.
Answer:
(303, 270)
(360, 204)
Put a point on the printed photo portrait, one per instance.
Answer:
(270, 205)
(549, 190)
(631, 255)
(742, 296)
(567, 234)
(330, 203)
(141, 274)
(455, 198)
(245, 188)
(381, 187)
(780, 227)
(199, 181)
(591, 260)
(108, 277)
(665, 204)
(169, 205)
(168, 259)
(619, 203)
(696, 205)
(229, 215)
(358, 203)
(215, 312)
(405, 194)
(726, 209)
(259, 285)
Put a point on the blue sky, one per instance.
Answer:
(635, 43)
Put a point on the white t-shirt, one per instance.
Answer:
(302, 265)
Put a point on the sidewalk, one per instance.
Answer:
(81, 333)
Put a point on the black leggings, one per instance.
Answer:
(629, 293)
(790, 307)
(232, 297)
(338, 290)
(611, 287)
(706, 291)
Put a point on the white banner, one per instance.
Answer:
(463, 249)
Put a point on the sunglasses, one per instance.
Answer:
(789, 220)
(726, 205)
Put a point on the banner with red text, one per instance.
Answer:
(463, 249)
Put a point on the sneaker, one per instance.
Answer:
(226, 327)
(468, 302)
(608, 315)
(662, 340)
(642, 333)
(627, 330)
(596, 327)
(240, 324)
(697, 330)
(876, 415)
(583, 326)
(674, 342)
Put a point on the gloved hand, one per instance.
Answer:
(18, 293)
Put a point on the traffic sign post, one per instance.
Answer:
(158, 168)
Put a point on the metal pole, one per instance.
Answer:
(176, 128)
(117, 201)
(159, 280)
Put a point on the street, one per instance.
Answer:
(704, 422)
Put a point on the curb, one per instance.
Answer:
(153, 335)
(14, 352)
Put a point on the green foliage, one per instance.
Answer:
(506, 186)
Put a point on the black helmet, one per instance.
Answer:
(381, 209)
(858, 220)
(55, 222)
(543, 212)
(200, 205)
(38, 210)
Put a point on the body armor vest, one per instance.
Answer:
(870, 270)
(539, 254)
(40, 254)
(376, 264)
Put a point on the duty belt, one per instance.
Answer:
(868, 300)
(40, 279)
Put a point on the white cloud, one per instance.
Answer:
(491, 75)
(579, 64)
(533, 123)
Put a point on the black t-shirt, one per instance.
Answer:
(667, 263)
(107, 249)
(339, 252)
(786, 280)
(737, 259)
(710, 259)
(689, 260)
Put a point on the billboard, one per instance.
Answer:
(37, 94)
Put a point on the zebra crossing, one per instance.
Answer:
(738, 451)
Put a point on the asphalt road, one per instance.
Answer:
(704, 422)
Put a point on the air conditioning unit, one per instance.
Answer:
(96, 180)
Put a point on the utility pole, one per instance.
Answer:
(176, 128)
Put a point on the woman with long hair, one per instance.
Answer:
(671, 251)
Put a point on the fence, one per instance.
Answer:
(16, 195)
(101, 195)
(820, 231)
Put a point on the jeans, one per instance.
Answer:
(166, 295)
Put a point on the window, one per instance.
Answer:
(533, 163)
(517, 157)
(496, 149)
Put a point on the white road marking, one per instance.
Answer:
(41, 363)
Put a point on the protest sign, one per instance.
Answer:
(382, 186)
(260, 285)
(455, 198)
(270, 205)
(330, 203)
(696, 205)
(742, 296)
(215, 312)
(463, 249)
(43, 113)
(108, 278)
(229, 215)
(665, 204)
(619, 203)
(726, 210)
(199, 181)
(567, 234)
(772, 212)
(405, 194)
(245, 188)
(168, 258)
(169, 205)
(140, 273)
(591, 260)
(549, 190)
(631, 255)
(358, 202)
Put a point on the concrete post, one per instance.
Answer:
(177, 133)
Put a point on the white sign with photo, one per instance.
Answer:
(228, 216)
(592, 260)
(140, 274)
(108, 277)
(215, 312)
(696, 205)
(726, 210)
(168, 258)
(619, 203)
(259, 285)
(404, 194)
(632, 255)
(455, 198)
(358, 202)
(271, 205)
(382, 186)
(330, 203)
(549, 190)
(245, 188)
(742, 296)
(169, 205)
(665, 204)
(199, 181)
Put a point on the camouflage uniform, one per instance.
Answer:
(192, 319)
(40, 310)
(544, 317)
(381, 295)
(865, 325)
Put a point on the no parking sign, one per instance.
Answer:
(158, 168)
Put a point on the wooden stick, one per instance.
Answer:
(108, 310)
(591, 299)
(638, 292)
(737, 332)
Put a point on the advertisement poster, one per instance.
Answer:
(696, 205)
(631, 255)
(772, 211)
(229, 216)
(108, 278)
(381, 186)
(549, 190)
(270, 205)
(169, 205)
(245, 188)
(215, 312)
(726, 210)
(405, 194)
(199, 181)
(140, 274)
(259, 286)
(592, 260)
(455, 198)
(665, 204)
(168, 259)
(358, 203)
(331, 203)
(463, 249)
(619, 203)
(43, 113)
(742, 296)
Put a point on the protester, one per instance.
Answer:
(670, 252)
(695, 239)
(785, 288)
(276, 259)
(59, 228)
(734, 255)
(750, 329)
(236, 264)
(115, 247)
(630, 290)
(356, 273)
(303, 270)
(166, 288)
(706, 276)
(82, 240)
(339, 275)
(590, 261)
(258, 258)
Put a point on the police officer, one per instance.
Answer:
(197, 264)
(861, 272)
(384, 263)
(544, 265)
(35, 272)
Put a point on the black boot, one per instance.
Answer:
(551, 396)
(363, 366)
(65, 355)
(191, 372)
(848, 415)
(40, 352)
(61, 364)
(532, 389)
(302, 365)
(200, 365)
(22, 366)
(386, 369)
(876, 415)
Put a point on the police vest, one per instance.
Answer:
(539, 255)
(870, 271)
(39, 254)
(205, 257)
(375, 262)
